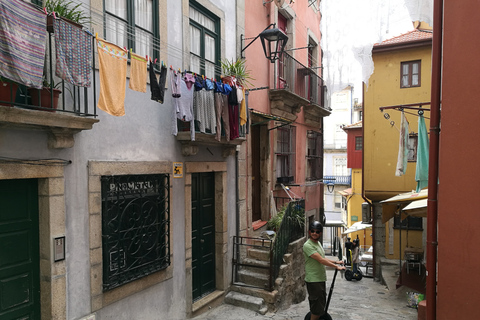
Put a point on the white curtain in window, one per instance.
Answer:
(405, 75)
(143, 19)
(415, 74)
(116, 29)
(194, 49)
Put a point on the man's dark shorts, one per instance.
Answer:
(317, 297)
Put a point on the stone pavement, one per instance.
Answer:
(351, 300)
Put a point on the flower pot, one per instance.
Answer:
(8, 91)
(43, 98)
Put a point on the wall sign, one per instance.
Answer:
(178, 169)
(59, 249)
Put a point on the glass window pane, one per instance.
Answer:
(195, 64)
(116, 31)
(415, 80)
(209, 48)
(144, 14)
(143, 43)
(117, 7)
(405, 69)
(209, 70)
(404, 81)
(195, 40)
(414, 68)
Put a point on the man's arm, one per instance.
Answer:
(327, 262)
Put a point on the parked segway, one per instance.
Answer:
(326, 316)
(350, 275)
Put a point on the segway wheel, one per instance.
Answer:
(326, 316)
(359, 276)
(349, 275)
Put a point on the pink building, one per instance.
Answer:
(285, 144)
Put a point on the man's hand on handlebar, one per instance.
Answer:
(339, 265)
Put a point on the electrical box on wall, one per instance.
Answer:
(366, 212)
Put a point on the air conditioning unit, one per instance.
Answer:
(366, 212)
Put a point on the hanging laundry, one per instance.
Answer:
(199, 103)
(22, 45)
(73, 48)
(183, 107)
(243, 109)
(113, 77)
(138, 73)
(162, 82)
(233, 112)
(402, 159)
(221, 111)
(155, 90)
(421, 173)
(210, 121)
(175, 78)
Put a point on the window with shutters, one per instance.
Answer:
(285, 154)
(314, 155)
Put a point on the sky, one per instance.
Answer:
(350, 28)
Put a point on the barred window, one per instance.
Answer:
(314, 155)
(135, 227)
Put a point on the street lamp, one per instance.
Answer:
(273, 42)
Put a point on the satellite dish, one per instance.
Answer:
(279, 3)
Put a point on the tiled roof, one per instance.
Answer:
(353, 125)
(414, 35)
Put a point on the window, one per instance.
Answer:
(410, 74)
(285, 154)
(133, 24)
(358, 143)
(135, 227)
(340, 167)
(338, 201)
(204, 41)
(314, 155)
(410, 223)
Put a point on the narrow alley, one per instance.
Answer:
(351, 300)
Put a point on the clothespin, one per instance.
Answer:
(146, 57)
(155, 61)
(125, 48)
(45, 10)
(53, 12)
(179, 71)
(171, 67)
(96, 35)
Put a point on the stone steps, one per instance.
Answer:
(246, 301)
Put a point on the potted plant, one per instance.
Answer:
(43, 97)
(238, 70)
(8, 92)
(66, 10)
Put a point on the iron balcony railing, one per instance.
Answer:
(297, 78)
(291, 229)
(57, 95)
(340, 180)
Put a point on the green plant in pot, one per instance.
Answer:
(68, 11)
(43, 97)
(238, 70)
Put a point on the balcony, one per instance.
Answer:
(337, 180)
(298, 86)
(61, 110)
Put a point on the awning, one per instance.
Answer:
(346, 192)
(334, 223)
(393, 204)
(357, 226)
(417, 208)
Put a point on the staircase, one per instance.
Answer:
(251, 291)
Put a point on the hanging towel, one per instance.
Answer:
(22, 45)
(138, 73)
(73, 48)
(113, 77)
(402, 159)
(421, 173)
(243, 109)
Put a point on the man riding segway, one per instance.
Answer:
(315, 273)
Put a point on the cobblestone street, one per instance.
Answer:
(351, 300)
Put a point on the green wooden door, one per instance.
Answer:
(203, 234)
(19, 251)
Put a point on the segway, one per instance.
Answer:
(350, 275)
(326, 316)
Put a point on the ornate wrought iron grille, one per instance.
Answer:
(135, 227)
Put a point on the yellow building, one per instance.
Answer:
(402, 77)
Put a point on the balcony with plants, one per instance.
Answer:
(56, 106)
(298, 86)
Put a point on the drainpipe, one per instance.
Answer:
(432, 214)
(363, 179)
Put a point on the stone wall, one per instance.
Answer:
(291, 281)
